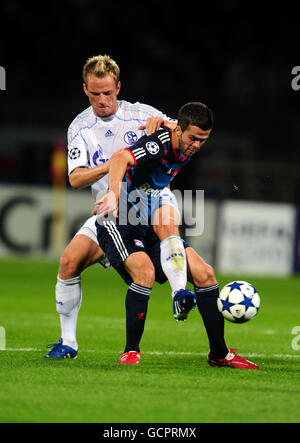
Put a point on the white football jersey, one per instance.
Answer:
(92, 140)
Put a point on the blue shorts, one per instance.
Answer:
(119, 241)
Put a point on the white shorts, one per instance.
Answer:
(89, 227)
(168, 198)
(89, 230)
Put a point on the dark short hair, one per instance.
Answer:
(195, 114)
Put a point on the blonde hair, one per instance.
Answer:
(100, 66)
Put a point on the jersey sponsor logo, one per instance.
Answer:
(130, 137)
(74, 153)
(99, 157)
(152, 147)
(146, 188)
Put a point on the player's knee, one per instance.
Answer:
(166, 221)
(144, 275)
(68, 266)
(165, 231)
(148, 276)
(211, 278)
(206, 277)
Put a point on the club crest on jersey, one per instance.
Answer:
(74, 153)
(130, 137)
(98, 156)
(152, 147)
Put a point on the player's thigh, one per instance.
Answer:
(80, 253)
(199, 272)
(140, 268)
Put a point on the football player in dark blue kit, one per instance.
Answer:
(126, 232)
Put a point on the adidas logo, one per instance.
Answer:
(109, 133)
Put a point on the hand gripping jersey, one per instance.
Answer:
(92, 140)
(156, 163)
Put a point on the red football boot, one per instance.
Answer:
(232, 360)
(130, 358)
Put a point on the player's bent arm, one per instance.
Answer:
(119, 162)
(82, 177)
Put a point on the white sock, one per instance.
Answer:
(68, 302)
(173, 261)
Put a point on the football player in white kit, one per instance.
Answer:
(93, 136)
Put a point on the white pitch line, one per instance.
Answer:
(157, 353)
(21, 349)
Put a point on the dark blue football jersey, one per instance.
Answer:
(156, 163)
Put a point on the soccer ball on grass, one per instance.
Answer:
(238, 301)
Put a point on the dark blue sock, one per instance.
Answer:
(212, 318)
(136, 304)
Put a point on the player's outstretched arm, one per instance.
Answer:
(83, 177)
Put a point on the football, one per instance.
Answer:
(238, 301)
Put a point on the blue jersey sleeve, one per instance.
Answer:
(147, 149)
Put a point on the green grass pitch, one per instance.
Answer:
(173, 384)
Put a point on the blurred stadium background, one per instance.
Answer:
(233, 57)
